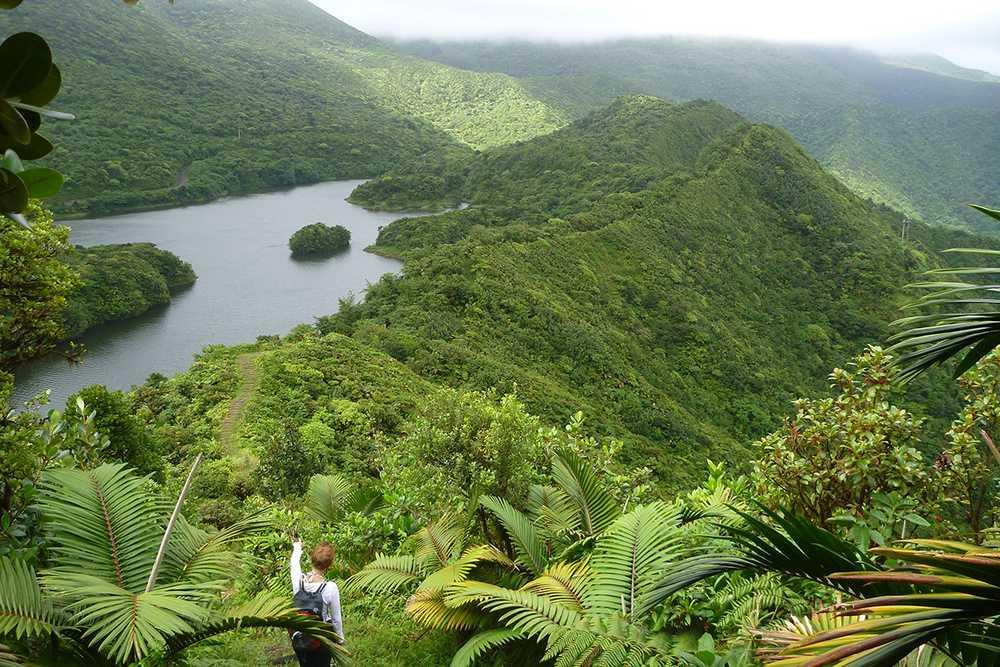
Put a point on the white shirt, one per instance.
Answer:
(331, 595)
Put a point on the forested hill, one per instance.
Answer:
(190, 101)
(922, 141)
(681, 307)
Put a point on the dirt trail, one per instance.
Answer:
(251, 378)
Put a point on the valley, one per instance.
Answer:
(598, 352)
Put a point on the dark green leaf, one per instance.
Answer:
(993, 213)
(45, 92)
(9, 4)
(38, 148)
(13, 123)
(13, 193)
(26, 62)
(42, 182)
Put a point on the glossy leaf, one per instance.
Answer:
(14, 124)
(46, 91)
(13, 192)
(26, 59)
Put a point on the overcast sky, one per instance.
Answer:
(965, 31)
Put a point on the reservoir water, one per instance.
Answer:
(248, 284)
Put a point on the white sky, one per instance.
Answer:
(965, 31)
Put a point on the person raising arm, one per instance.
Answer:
(315, 595)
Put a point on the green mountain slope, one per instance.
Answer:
(920, 141)
(681, 313)
(190, 101)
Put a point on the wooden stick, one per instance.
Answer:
(170, 526)
(989, 443)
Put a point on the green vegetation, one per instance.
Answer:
(918, 140)
(121, 281)
(34, 284)
(674, 270)
(262, 94)
(643, 302)
(318, 239)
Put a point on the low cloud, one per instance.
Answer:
(965, 31)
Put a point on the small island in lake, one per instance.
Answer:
(317, 240)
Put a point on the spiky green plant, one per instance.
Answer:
(573, 575)
(969, 321)
(95, 601)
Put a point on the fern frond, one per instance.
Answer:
(564, 583)
(438, 542)
(387, 574)
(631, 556)
(24, 611)
(482, 643)
(597, 508)
(103, 523)
(531, 548)
(263, 611)
(329, 497)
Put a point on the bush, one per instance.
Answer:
(319, 239)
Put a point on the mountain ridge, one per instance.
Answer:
(918, 141)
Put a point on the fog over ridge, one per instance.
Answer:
(964, 31)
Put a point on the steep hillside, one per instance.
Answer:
(924, 142)
(681, 313)
(190, 101)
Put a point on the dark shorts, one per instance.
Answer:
(320, 658)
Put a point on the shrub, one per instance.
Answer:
(319, 239)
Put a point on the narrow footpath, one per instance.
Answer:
(250, 380)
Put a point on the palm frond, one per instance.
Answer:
(24, 611)
(531, 548)
(789, 545)
(197, 556)
(482, 643)
(630, 557)
(552, 508)
(597, 508)
(387, 574)
(431, 608)
(263, 611)
(103, 523)
(939, 599)
(930, 340)
(8, 658)
(438, 542)
(564, 583)
(329, 497)
(127, 626)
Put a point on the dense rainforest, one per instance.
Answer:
(234, 97)
(917, 133)
(121, 281)
(628, 403)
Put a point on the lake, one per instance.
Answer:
(248, 284)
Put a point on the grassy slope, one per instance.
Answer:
(187, 102)
(683, 316)
(922, 142)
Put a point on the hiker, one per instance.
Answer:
(316, 596)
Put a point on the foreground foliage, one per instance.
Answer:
(97, 597)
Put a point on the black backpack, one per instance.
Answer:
(308, 604)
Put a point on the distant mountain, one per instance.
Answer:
(190, 101)
(920, 141)
(930, 62)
